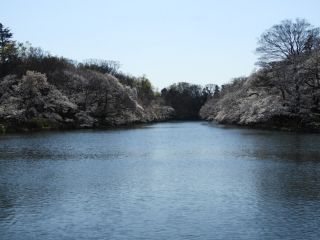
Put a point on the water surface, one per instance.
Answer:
(184, 180)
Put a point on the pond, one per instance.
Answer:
(175, 180)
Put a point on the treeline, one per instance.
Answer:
(286, 87)
(187, 99)
(18, 58)
(290, 60)
(39, 90)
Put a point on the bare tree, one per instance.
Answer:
(287, 40)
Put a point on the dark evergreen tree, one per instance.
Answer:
(7, 49)
(5, 42)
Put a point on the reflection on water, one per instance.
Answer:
(187, 180)
(295, 147)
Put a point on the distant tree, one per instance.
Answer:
(287, 41)
(144, 89)
(7, 50)
(284, 47)
(125, 79)
(26, 51)
(37, 95)
(24, 57)
(208, 90)
(185, 98)
(103, 66)
(6, 43)
(216, 92)
(309, 74)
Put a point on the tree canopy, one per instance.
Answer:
(7, 49)
(287, 40)
(186, 98)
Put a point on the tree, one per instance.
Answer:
(6, 44)
(185, 98)
(144, 89)
(7, 50)
(103, 66)
(309, 73)
(287, 41)
(208, 90)
(216, 92)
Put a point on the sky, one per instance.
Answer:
(199, 41)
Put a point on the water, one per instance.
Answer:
(187, 180)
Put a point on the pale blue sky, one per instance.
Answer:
(198, 41)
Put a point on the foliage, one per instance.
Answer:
(102, 66)
(5, 44)
(7, 50)
(185, 98)
(29, 58)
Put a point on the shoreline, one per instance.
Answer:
(139, 124)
